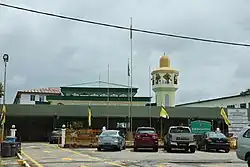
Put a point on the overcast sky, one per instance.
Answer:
(50, 52)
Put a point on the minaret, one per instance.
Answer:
(165, 83)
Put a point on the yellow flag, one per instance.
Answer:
(224, 115)
(164, 113)
(4, 109)
(89, 116)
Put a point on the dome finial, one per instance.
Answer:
(164, 61)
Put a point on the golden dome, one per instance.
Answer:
(164, 61)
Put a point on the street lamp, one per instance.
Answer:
(6, 60)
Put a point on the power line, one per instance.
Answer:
(127, 28)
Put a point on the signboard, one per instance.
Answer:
(238, 119)
(200, 127)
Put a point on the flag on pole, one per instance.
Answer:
(128, 69)
(3, 115)
(89, 115)
(163, 112)
(224, 116)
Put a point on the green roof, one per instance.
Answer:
(111, 111)
(98, 98)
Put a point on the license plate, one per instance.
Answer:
(146, 137)
(183, 144)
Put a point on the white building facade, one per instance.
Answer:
(35, 96)
(241, 100)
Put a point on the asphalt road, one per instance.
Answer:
(45, 155)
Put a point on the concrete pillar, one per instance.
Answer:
(63, 135)
(13, 131)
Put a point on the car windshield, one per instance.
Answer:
(108, 133)
(216, 135)
(55, 132)
(179, 130)
(144, 130)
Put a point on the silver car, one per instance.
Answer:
(111, 140)
(243, 145)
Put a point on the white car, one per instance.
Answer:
(243, 145)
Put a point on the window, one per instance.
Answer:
(180, 130)
(216, 135)
(243, 105)
(247, 134)
(41, 98)
(231, 106)
(32, 97)
(146, 130)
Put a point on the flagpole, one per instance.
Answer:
(128, 121)
(131, 77)
(150, 112)
(108, 85)
(161, 127)
(108, 97)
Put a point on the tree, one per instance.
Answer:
(1, 90)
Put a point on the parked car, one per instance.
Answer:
(214, 140)
(243, 145)
(111, 139)
(179, 137)
(146, 137)
(54, 137)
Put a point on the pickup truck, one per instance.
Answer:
(179, 137)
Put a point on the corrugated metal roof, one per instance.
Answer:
(242, 94)
(99, 84)
(112, 111)
(43, 91)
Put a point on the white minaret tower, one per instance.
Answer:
(165, 83)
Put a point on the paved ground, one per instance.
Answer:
(9, 162)
(45, 155)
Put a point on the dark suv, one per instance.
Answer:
(146, 137)
(54, 137)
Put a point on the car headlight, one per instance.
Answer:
(116, 140)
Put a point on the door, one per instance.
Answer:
(244, 141)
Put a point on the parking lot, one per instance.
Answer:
(46, 155)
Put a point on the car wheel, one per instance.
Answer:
(169, 149)
(50, 142)
(155, 149)
(99, 149)
(135, 149)
(198, 147)
(192, 149)
(205, 148)
(227, 150)
(119, 148)
(248, 162)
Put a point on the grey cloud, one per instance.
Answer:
(49, 52)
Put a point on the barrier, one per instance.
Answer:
(86, 137)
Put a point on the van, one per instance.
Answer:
(243, 145)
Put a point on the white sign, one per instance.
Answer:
(238, 119)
